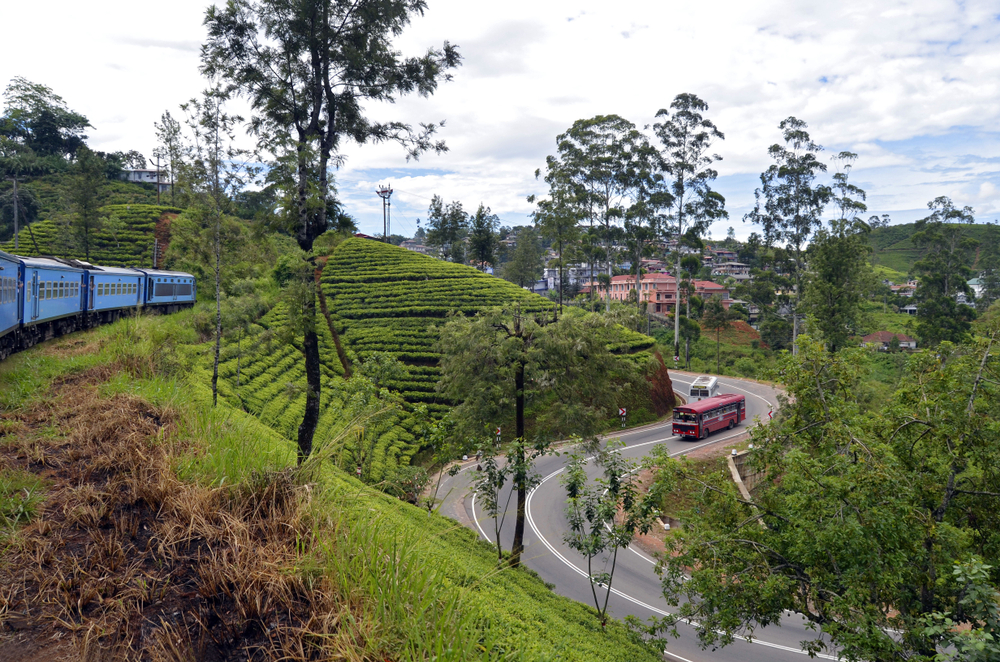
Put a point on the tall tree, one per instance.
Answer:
(789, 202)
(483, 238)
(218, 169)
(170, 148)
(989, 268)
(839, 273)
(308, 69)
(88, 175)
(943, 271)
(447, 227)
(525, 266)
(505, 362)
(858, 517)
(558, 220)
(596, 158)
(687, 136)
(38, 131)
(716, 318)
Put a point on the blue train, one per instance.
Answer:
(43, 297)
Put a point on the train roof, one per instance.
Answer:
(710, 403)
(8, 256)
(161, 273)
(115, 271)
(46, 263)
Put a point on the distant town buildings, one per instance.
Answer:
(658, 290)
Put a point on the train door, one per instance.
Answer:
(34, 295)
(90, 294)
(174, 288)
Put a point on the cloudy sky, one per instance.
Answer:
(912, 86)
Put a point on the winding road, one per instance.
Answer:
(636, 587)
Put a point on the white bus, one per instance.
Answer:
(704, 387)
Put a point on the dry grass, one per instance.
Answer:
(124, 561)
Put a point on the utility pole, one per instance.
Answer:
(385, 193)
(157, 179)
(15, 214)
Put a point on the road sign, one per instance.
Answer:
(769, 416)
(676, 359)
(498, 436)
(621, 411)
(358, 472)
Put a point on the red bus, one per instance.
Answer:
(702, 418)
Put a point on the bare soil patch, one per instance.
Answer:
(124, 561)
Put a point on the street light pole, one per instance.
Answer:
(15, 214)
(385, 193)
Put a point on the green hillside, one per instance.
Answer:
(129, 244)
(893, 249)
(380, 298)
(402, 584)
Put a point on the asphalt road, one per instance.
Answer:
(636, 587)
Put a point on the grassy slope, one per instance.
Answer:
(894, 250)
(420, 582)
(133, 246)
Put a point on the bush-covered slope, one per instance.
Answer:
(129, 244)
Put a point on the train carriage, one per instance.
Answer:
(111, 289)
(52, 296)
(10, 302)
(172, 289)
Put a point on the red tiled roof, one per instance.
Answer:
(885, 336)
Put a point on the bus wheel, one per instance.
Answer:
(732, 424)
(704, 432)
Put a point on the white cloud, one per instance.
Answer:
(896, 81)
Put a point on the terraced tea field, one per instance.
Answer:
(382, 298)
(131, 245)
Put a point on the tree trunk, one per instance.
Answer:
(218, 307)
(522, 493)
(677, 305)
(310, 350)
(718, 332)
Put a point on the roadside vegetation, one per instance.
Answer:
(140, 520)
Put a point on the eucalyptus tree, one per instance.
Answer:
(789, 202)
(483, 238)
(217, 169)
(944, 270)
(598, 158)
(308, 70)
(170, 147)
(839, 274)
(447, 226)
(687, 138)
(989, 268)
(558, 220)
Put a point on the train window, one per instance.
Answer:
(59, 290)
(100, 289)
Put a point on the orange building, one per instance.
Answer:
(657, 290)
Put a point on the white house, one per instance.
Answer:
(147, 176)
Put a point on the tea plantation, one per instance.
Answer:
(382, 298)
(125, 243)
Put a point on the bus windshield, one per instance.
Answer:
(685, 416)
